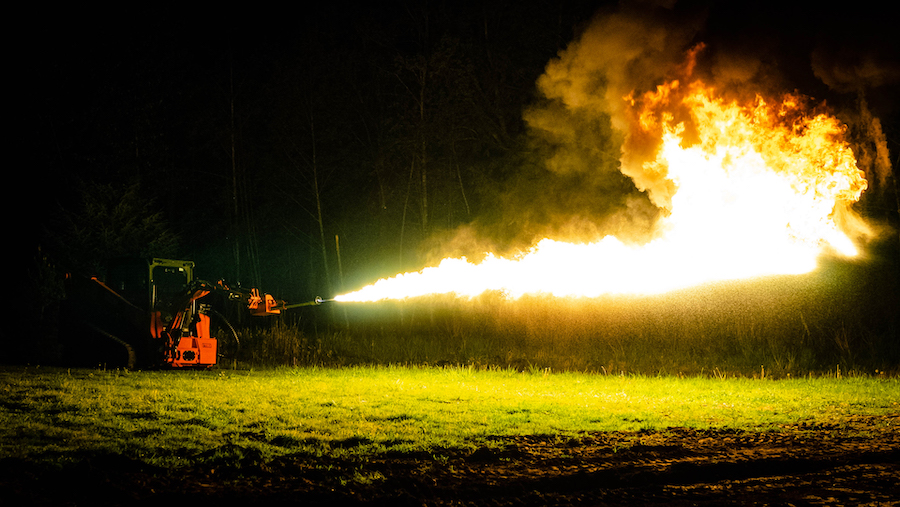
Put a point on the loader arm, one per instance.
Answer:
(188, 341)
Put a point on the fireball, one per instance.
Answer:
(754, 191)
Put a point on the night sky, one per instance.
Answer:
(158, 98)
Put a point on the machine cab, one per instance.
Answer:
(150, 284)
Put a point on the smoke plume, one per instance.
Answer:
(623, 52)
(865, 68)
(587, 177)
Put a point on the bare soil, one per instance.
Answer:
(855, 463)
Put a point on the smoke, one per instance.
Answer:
(570, 183)
(865, 54)
(630, 50)
(866, 67)
(853, 70)
(869, 144)
(586, 174)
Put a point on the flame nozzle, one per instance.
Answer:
(315, 302)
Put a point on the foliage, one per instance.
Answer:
(110, 221)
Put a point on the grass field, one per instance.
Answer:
(181, 419)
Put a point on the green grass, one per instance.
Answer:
(179, 419)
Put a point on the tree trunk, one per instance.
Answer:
(319, 215)
(423, 155)
(234, 189)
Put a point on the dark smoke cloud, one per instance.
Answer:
(866, 67)
(855, 69)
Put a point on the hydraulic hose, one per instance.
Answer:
(233, 331)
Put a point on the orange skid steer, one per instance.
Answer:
(150, 313)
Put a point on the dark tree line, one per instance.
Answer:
(308, 156)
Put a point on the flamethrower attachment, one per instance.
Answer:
(315, 302)
(259, 305)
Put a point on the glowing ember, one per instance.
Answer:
(755, 189)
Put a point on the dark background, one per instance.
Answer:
(250, 139)
(221, 121)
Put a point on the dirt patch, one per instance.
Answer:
(852, 464)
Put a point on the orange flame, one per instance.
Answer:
(753, 192)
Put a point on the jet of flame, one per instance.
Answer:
(756, 187)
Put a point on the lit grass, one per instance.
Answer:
(175, 419)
